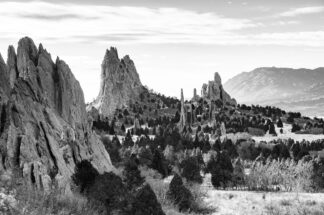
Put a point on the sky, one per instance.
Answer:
(174, 43)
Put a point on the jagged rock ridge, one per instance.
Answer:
(214, 91)
(44, 128)
(120, 83)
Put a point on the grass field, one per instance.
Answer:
(265, 203)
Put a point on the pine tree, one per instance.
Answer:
(132, 176)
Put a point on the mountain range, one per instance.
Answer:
(298, 90)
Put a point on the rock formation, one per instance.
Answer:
(44, 129)
(120, 83)
(195, 96)
(214, 91)
(183, 114)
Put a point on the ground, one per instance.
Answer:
(288, 134)
(247, 202)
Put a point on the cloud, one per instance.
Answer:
(50, 17)
(120, 24)
(302, 11)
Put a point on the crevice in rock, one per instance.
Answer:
(32, 176)
(15, 116)
(221, 92)
(3, 160)
(40, 182)
(48, 146)
(30, 88)
(39, 82)
(58, 92)
(74, 154)
(17, 151)
(3, 118)
(38, 150)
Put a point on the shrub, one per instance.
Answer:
(295, 128)
(191, 170)
(112, 148)
(146, 203)
(221, 169)
(38, 202)
(132, 176)
(145, 156)
(85, 175)
(287, 174)
(256, 131)
(159, 163)
(279, 123)
(179, 194)
(110, 191)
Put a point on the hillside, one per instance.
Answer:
(290, 89)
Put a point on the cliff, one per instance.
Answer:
(44, 128)
(120, 83)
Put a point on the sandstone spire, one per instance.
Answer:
(182, 122)
(12, 65)
(44, 128)
(195, 96)
(120, 83)
(214, 91)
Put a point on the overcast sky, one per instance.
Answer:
(174, 43)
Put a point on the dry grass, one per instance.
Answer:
(262, 203)
(160, 188)
(29, 201)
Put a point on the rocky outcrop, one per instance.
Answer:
(183, 113)
(44, 129)
(214, 91)
(195, 96)
(120, 83)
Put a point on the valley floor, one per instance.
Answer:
(265, 203)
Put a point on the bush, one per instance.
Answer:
(279, 123)
(84, 176)
(256, 131)
(112, 148)
(286, 174)
(38, 202)
(132, 176)
(221, 168)
(295, 128)
(179, 194)
(191, 170)
(159, 163)
(146, 203)
(110, 191)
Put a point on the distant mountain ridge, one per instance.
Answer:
(291, 89)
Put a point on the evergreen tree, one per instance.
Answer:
(132, 176)
(159, 163)
(179, 194)
(146, 202)
(84, 176)
(279, 123)
(191, 169)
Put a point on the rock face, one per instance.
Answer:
(214, 91)
(183, 113)
(44, 128)
(120, 83)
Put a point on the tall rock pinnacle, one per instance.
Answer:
(120, 83)
(182, 122)
(214, 91)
